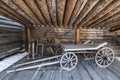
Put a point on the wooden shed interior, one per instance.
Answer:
(57, 22)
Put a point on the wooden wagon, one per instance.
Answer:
(104, 56)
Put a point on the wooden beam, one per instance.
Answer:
(106, 10)
(22, 6)
(104, 17)
(89, 5)
(109, 21)
(60, 11)
(78, 8)
(9, 7)
(115, 28)
(35, 11)
(28, 38)
(77, 36)
(42, 5)
(52, 10)
(98, 7)
(68, 11)
(11, 16)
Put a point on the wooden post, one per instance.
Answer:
(57, 42)
(77, 36)
(28, 39)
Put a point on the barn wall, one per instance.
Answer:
(42, 34)
(11, 41)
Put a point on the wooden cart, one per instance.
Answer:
(68, 60)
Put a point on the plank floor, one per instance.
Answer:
(85, 70)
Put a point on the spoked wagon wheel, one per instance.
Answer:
(68, 61)
(104, 57)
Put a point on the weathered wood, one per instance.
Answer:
(107, 9)
(106, 16)
(42, 5)
(78, 8)
(25, 9)
(60, 11)
(70, 4)
(17, 11)
(98, 7)
(34, 9)
(52, 10)
(77, 36)
(89, 5)
(110, 21)
(28, 39)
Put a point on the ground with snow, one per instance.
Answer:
(7, 62)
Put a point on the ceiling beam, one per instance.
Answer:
(98, 7)
(52, 10)
(113, 6)
(88, 7)
(42, 6)
(68, 11)
(78, 8)
(35, 11)
(22, 6)
(110, 21)
(19, 16)
(105, 17)
(60, 11)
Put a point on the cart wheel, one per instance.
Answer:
(104, 57)
(68, 61)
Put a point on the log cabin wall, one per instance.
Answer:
(11, 38)
(68, 35)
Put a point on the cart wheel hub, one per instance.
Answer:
(105, 58)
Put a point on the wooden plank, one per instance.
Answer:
(70, 4)
(89, 5)
(111, 21)
(98, 7)
(98, 71)
(36, 12)
(8, 9)
(42, 5)
(60, 11)
(83, 72)
(106, 16)
(91, 71)
(52, 10)
(106, 10)
(108, 73)
(76, 11)
(25, 9)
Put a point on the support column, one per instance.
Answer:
(28, 39)
(57, 42)
(77, 36)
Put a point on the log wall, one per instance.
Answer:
(12, 37)
(11, 41)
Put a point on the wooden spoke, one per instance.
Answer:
(106, 58)
(68, 61)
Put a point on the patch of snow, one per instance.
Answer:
(7, 62)
(118, 58)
